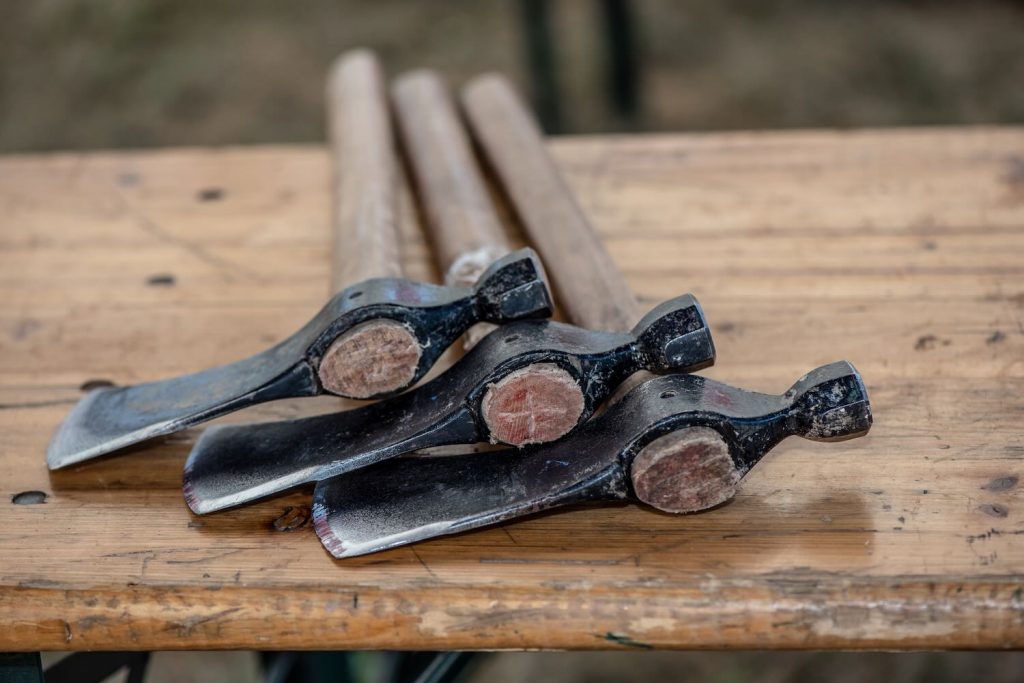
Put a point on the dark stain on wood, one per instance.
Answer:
(24, 328)
(994, 509)
(128, 179)
(1001, 483)
(1014, 175)
(620, 639)
(929, 341)
(161, 280)
(29, 498)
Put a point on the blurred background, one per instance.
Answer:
(77, 74)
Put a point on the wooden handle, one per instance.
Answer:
(379, 356)
(365, 172)
(591, 289)
(460, 215)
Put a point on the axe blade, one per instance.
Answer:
(413, 499)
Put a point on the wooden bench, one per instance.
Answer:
(900, 250)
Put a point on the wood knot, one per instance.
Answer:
(1001, 483)
(373, 358)
(535, 404)
(685, 471)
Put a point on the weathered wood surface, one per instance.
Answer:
(899, 250)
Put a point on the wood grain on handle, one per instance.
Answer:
(378, 356)
(461, 218)
(590, 288)
(364, 172)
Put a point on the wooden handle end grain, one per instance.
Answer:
(590, 287)
(685, 471)
(535, 404)
(375, 358)
(364, 166)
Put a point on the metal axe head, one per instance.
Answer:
(527, 382)
(679, 443)
(373, 339)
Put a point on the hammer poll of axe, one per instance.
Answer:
(679, 443)
(525, 382)
(372, 339)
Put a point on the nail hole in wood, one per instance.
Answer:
(210, 194)
(29, 498)
(161, 280)
(1001, 483)
(90, 384)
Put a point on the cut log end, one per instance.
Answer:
(685, 471)
(374, 358)
(535, 404)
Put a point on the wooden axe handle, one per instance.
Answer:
(364, 172)
(590, 288)
(378, 356)
(460, 215)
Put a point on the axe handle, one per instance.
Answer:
(591, 290)
(461, 218)
(364, 172)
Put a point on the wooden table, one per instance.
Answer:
(902, 251)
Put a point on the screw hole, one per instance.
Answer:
(513, 338)
(669, 394)
(355, 295)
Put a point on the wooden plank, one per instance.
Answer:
(899, 250)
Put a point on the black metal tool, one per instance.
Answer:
(535, 378)
(679, 443)
(415, 321)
